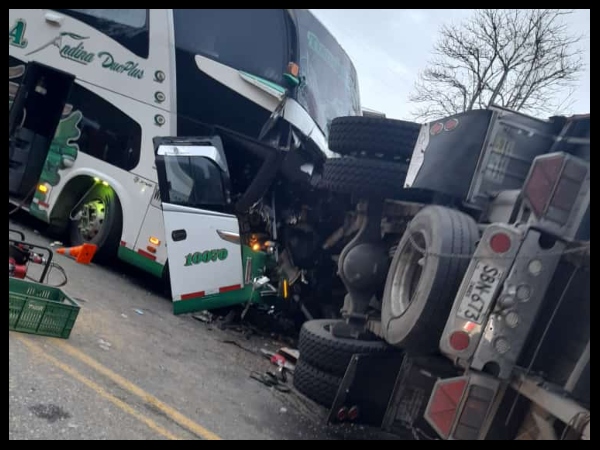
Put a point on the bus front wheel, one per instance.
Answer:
(98, 220)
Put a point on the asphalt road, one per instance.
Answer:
(131, 370)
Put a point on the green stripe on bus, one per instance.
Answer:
(142, 262)
(237, 297)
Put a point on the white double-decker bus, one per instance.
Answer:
(89, 89)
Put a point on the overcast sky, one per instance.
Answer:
(390, 46)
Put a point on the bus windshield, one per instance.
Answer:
(330, 85)
(252, 40)
(258, 41)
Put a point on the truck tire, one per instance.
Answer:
(100, 223)
(366, 177)
(420, 290)
(373, 137)
(317, 385)
(323, 350)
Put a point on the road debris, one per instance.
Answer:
(280, 360)
(270, 380)
(204, 316)
(280, 374)
(139, 311)
(104, 345)
(290, 354)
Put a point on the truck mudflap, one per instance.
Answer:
(366, 388)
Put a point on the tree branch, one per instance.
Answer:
(519, 58)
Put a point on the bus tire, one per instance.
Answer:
(315, 384)
(330, 353)
(373, 137)
(99, 221)
(420, 290)
(365, 177)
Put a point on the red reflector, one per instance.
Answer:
(353, 413)
(234, 287)
(459, 340)
(436, 128)
(146, 254)
(540, 182)
(451, 124)
(442, 408)
(192, 295)
(342, 414)
(469, 326)
(500, 242)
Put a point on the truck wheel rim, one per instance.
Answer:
(408, 275)
(92, 218)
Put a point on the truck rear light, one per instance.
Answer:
(443, 404)
(500, 243)
(353, 413)
(512, 319)
(459, 407)
(556, 191)
(436, 128)
(474, 413)
(540, 183)
(535, 267)
(459, 340)
(502, 345)
(524, 292)
(451, 124)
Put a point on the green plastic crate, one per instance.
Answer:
(40, 309)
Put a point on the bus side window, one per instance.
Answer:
(252, 40)
(107, 133)
(129, 27)
(195, 182)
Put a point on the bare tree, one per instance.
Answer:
(521, 59)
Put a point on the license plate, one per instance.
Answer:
(480, 292)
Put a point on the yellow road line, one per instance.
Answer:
(173, 414)
(38, 351)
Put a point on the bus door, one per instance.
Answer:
(202, 237)
(32, 121)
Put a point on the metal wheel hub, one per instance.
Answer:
(408, 276)
(91, 219)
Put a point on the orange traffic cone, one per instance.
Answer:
(83, 254)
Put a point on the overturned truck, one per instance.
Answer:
(466, 266)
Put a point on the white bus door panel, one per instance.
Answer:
(202, 242)
(201, 261)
